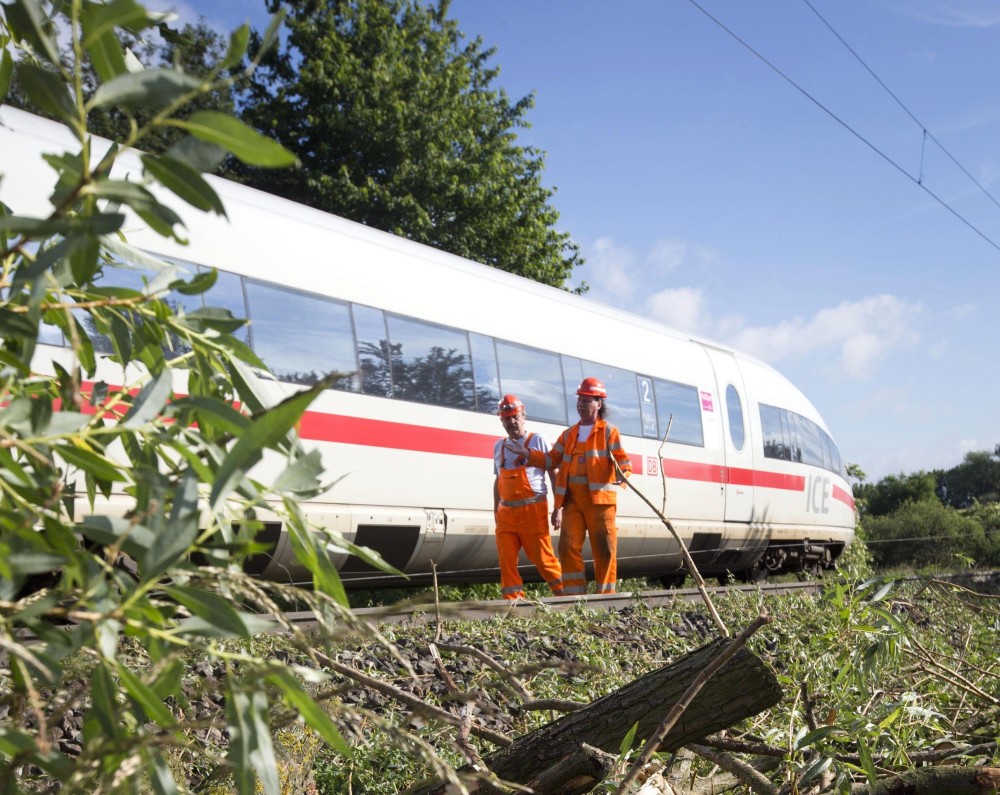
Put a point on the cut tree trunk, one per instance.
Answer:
(741, 688)
(944, 780)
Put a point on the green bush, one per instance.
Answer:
(923, 534)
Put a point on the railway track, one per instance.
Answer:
(525, 608)
(414, 613)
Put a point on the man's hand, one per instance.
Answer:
(557, 518)
(517, 447)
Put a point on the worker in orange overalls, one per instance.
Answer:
(520, 503)
(585, 490)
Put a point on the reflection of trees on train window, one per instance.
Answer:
(122, 281)
(681, 401)
(227, 293)
(373, 351)
(376, 372)
(623, 396)
(431, 364)
(485, 373)
(300, 337)
(442, 378)
(536, 378)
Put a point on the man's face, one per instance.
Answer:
(514, 425)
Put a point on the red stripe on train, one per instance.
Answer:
(844, 496)
(425, 439)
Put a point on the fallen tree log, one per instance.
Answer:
(948, 779)
(741, 688)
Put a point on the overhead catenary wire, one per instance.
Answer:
(926, 134)
(917, 180)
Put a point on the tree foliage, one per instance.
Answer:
(976, 479)
(195, 50)
(893, 491)
(924, 533)
(129, 480)
(398, 126)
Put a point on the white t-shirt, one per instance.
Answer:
(536, 475)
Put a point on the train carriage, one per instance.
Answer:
(424, 343)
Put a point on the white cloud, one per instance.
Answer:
(958, 13)
(681, 308)
(610, 271)
(862, 333)
(853, 337)
(617, 275)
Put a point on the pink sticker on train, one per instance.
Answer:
(706, 401)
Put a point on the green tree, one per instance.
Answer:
(195, 50)
(893, 491)
(977, 478)
(398, 126)
(103, 611)
(923, 533)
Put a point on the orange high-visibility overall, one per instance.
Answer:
(580, 515)
(585, 489)
(522, 522)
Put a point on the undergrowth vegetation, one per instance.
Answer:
(876, 675)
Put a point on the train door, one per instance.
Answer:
(738, 473)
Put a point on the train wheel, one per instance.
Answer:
(672, 580)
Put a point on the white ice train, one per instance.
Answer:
(754, 482)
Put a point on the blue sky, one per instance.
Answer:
(829, 204)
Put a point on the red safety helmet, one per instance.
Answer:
(509, 406)
(592, 387)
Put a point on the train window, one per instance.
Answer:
(430, 364)
(485, 373)
(647, 406)
(623, 396)
(837, 464)
(776, 444)
(227, 293)
(734, 410)
(792, 437)
(124, 276)
(300, 337)
(536, 378)
(572, 370)
(374, 351)
(812, 447)
(679, 405)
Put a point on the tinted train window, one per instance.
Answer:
(572, 369)
(148, 282)
(776, 444)
(536, 378)
(623, 396)
(681, 402)
(300, 337)
(647, 406)
(227, 293)
(812, 446)
(792, 437)
(485, 373)
(734, 410)
(430, 364)
(374, 351)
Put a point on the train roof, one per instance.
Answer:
(214, 242)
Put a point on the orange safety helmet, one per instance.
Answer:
(592, 387)
(509, 406)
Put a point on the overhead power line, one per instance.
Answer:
(923, 128)
(916, 180)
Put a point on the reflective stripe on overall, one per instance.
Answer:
(583, 516)
(522, 522)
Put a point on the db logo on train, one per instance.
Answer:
(652, 466)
